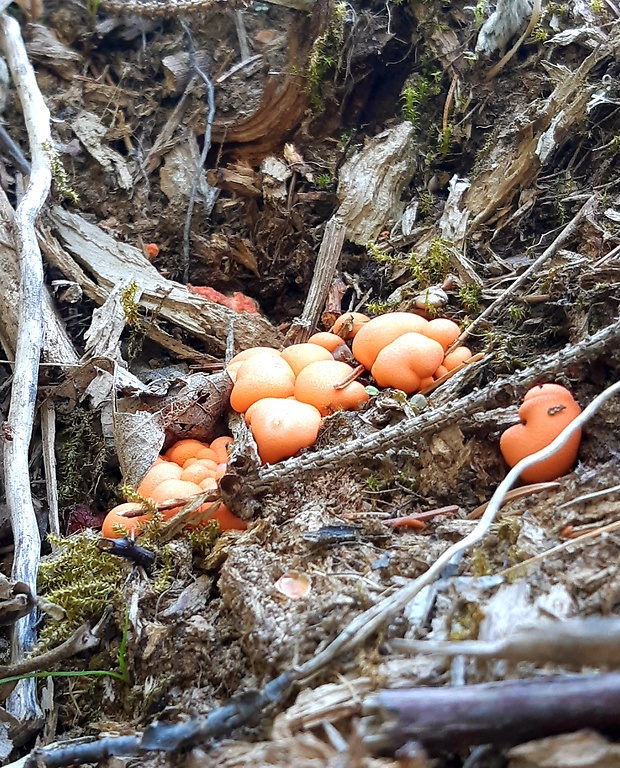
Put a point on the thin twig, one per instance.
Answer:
(449, 97)
(81, 640)
(590, 496)
(23, 702)
(205, 149)
(522, 567)
(529, 29)
(48, 438)
(368, 622)
(13, 152)
(517, 493)
(586, 642)
(569, 231)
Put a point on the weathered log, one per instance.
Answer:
(505, 713)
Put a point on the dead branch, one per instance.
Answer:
(163, 736)
(508, 295)
(407, 431)
(589, 642)
(57, 347)
(23, 703)
(82, 639)
(326, 263)
(504, 713)
(108, 261)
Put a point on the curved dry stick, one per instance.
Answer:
(23, 701)
(368, 622)
(536, 8)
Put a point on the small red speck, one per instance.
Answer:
(151, 250)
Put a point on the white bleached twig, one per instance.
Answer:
(368, 622)
(23, 701)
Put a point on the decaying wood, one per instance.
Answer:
(239, 178)
(109, 261)
(454, 409)
(510, 167)
(371, 183)
(508, 295)
(504, 713)
(326, 263)
(56, 346)
(61, 260)
(23, 703)
(282, 108)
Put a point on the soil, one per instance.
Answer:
(208, 622)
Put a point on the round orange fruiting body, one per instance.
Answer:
(223, 516)
(183, 450)
(329, 341)
(545, 412)
(165, 470)
(444, 331)
(316, 385)
(207, 453)
(299, 356)
(220, 447)
(283, 427)
(247, 353)
(174, 489)
(454, 359)
(407, 360)
(261, 376)
(377, 333)
(347, 325)
(116, 517)
(199, 470)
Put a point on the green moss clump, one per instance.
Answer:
(83, 581)
(81, 455)
(469, 296)
(434, 266)
(324, 55)
(59, 174)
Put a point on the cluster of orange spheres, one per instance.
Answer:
(189, 467)
(406, 351)
(284, 395)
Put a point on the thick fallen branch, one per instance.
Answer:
(108, 262)
(163, 737)
(505, 713)
(23, 702)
